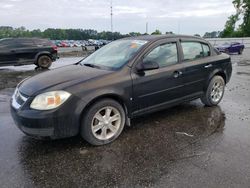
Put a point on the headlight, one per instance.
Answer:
(49, 100)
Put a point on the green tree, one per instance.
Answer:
(156, 32)
(134, 34)
(243, 8)
(230, 26)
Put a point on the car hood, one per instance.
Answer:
(61, 77)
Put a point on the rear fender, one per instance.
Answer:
(218, 72)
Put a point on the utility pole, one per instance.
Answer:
(179, 26)
(147, 27)
(111, 16)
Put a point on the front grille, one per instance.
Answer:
(18, 99)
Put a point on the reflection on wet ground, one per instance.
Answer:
(140, 156)
(11, 75)
(186, 146)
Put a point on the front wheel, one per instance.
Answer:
(214, 91)
(103, 122)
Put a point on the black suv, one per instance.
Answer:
(22, 51)
(124, 79)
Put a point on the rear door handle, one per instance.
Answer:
(177, 74)
(208, 66)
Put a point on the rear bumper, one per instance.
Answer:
(228, 72)
(54, 56)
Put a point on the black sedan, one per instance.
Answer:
(98, 96)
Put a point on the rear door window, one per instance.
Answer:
(24, 43)
(192, 50)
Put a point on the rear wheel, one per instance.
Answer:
(103, 122)
(44, 61)
(214, 92)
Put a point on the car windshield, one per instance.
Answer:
(114, 55)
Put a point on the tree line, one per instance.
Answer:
(77, 34)
(66, 34)
(242, 14)
(58, 34)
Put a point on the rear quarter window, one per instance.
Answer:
(206, 50)
(42, 42)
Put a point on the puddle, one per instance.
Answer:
(243, 63)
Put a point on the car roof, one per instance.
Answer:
(152, 38)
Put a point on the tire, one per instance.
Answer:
(240, 51)
(44, 61)
(214, 92)
(94, 125)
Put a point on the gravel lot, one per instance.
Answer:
(186, 146)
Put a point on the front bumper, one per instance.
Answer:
(58, 123)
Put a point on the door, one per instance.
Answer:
(197, 64)
(7, 52)
(25, 51)
(157, 87)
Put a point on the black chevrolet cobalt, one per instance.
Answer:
(98, 96)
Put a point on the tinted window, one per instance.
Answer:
(7, 43)
(206, 50)
(21, 43)
(164, 55)
(192, 50)
(42, 42)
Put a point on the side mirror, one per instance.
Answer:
(148, 65)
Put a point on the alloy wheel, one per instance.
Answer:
(106, 123)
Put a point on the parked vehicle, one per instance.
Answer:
(234, 47)
(22, 51)
(122, 80)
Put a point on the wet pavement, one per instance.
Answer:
(185, 146)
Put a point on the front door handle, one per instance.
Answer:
(177, 74)
(208, 66)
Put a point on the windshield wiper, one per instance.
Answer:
(91, 65)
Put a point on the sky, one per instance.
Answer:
(179, 16)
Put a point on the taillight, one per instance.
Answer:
(54, 48)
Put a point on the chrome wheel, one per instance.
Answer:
(217, 91)
(106, 123)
